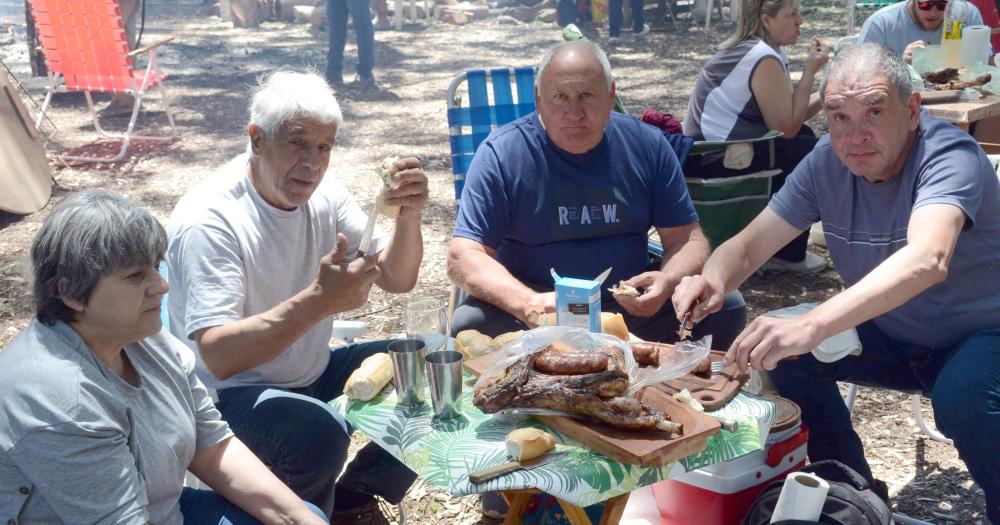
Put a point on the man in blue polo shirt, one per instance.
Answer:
(575, 187)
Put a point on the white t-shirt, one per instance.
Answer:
(232, 255)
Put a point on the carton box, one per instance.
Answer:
(578, 301)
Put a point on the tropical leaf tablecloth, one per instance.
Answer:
(443, 452)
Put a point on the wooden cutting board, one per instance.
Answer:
(713, 392)
(647, 448)
(939, 97)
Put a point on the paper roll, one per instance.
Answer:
(975, 45)
(802, 498)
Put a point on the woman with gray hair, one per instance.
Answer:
(101, 412)
(744, 91)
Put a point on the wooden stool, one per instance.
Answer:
(518, 500)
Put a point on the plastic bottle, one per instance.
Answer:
(951, 32)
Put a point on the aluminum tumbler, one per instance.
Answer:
(444, 372)
(407, 364)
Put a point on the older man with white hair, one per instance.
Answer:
(910, 208)
(259, 260)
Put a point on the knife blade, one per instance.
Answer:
(485, 474)
(604, 275)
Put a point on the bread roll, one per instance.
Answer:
(385, 171)
(548, 319)
(614, 324)
(472, 343)
(527, 443)
(509, 337)
(370, 378)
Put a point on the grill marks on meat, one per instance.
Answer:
(597, 395)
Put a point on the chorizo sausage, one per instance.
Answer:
(570, 363)
(646, 354)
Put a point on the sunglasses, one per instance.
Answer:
(926, 5)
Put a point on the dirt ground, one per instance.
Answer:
(211, 65)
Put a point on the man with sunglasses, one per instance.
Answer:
(905, 26)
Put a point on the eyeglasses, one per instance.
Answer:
(926, 5)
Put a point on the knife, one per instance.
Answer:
(364, 247)
(604, 275)
(488, 473)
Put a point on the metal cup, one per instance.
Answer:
(407, 364)
(444, 371)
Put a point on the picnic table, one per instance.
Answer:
(965, 112)
(443, 452)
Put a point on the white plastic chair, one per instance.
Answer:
(398, 15)
(918, 414)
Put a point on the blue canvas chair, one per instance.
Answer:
(489, 103)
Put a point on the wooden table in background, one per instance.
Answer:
(964, 113)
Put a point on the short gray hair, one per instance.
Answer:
(598, 53)
(870, 61)
(283, 95)
(89, 235)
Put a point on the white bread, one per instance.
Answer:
(472, 343)
(614, 324)
(509, 337)
(385, 170)
(370, 378)
(527, 443)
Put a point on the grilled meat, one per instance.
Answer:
(596, 395)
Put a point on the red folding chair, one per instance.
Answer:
(86, 50)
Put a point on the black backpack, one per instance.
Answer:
(850, 500)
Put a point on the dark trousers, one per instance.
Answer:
(360, 13)
(724, 325)
(963, 383)
(205, 507)
(304, 441)
(615, 8)
(787, 155)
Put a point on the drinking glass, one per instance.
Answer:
(427, 320)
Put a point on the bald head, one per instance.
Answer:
(574, 95)
(581, 56)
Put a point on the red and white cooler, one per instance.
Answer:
(721, 494)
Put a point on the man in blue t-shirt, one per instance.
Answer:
(575, 187)
(911, 210)
(905, 26)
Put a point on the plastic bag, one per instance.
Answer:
(683, 359)
(677, 363)
(536, 340)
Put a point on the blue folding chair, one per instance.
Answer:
(470, 124)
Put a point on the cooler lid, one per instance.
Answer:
(786, 414)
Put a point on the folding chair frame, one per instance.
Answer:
(152, 77)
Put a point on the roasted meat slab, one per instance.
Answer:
(596, 395)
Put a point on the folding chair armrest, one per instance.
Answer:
(149, 47)
(706, 146)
